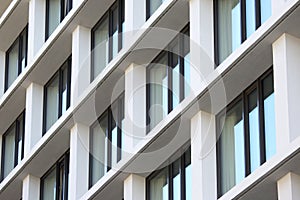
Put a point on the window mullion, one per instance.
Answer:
(57, 185)
(170, 81)
(110, 33)
(243, 20)
(60, 83)
(258, 13)
(246, 135)
(181, 65)
(170, 179)
(261, 123)
(16, 132)
(182, 177)
(108, 139)
(20, 53)
(119, 129)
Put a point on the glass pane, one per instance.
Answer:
(176, 180)
(269, 116)
(98, 146)
(159, 186)
(187, 72)
(188, 175)
(175, 76)
(67, 7)
(13, 64)
(115, 20)
(62, 182)
(65, 88)
(254, 130)
(23, 55)
(154, 5)
(232, 148)
(114, 138)
(20, 138)
(229, 25)
(122, 117)
(158, 91)
(250, 17)
(9, 151)
(52, 102)
(54, 15)
(49, 186)
(266, 10)
(100, 51)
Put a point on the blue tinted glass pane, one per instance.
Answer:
(232, 153)
(250, 17)
(269, 118)
(236, 26)
(266, 10)
(254, 131)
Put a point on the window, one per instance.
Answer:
(168, 78)
(247, 133)
(152, 6)
(173, 182)
(106, 141)
(13, 146)
(56, 11)
(16, 59)
(235, 21)
(57, 95)
(107, 38)
(54, 184)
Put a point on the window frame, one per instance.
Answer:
(180, 41)
(63, 160)
(120, 100)
(16, 126)
(21, 42)
(63, 13)
(182, 168)
(120, 4)
(257, 84)
(243, 25)
(58, 73)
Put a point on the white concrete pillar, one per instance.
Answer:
(31, 188)
(286, 59)
(203, 156)
(81, 64)
(135, 17)
(36, 27)
(79, 161)
(2, 72)
(201, 45)
(134, 187)
(33, 116)
(288, 187)
(135, 105)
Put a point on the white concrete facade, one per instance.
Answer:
(276, 44)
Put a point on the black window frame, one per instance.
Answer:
(256, 85)
(63, 13)
(120, 101)
(62, 161)
(20, 48)
(243, 24)
(120, 4)
(182, 173)
(180, 38)
(16, 125)
(60, 77)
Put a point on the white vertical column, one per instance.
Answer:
(134, 187)
(31, 188)
(36, 27)
(81, 68)
(79, 161)
(203, 156)
(135, 105)
(135, 17)
(201, 41)
(2, 72)
(286, 59)
(33, 116)
(288, 187)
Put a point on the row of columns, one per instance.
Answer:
(204, 180)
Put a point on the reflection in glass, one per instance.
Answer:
(250, 17)
(53, 16)
(232, 148)
(115, 21)
(49, 186)
(266, 10)
(13, 66)
(52, 102)
(98, 146)
(254, 130)
(159, 186)
(269, 116)
(158, 91)
(9, 152)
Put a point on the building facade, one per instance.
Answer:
(149, 99)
